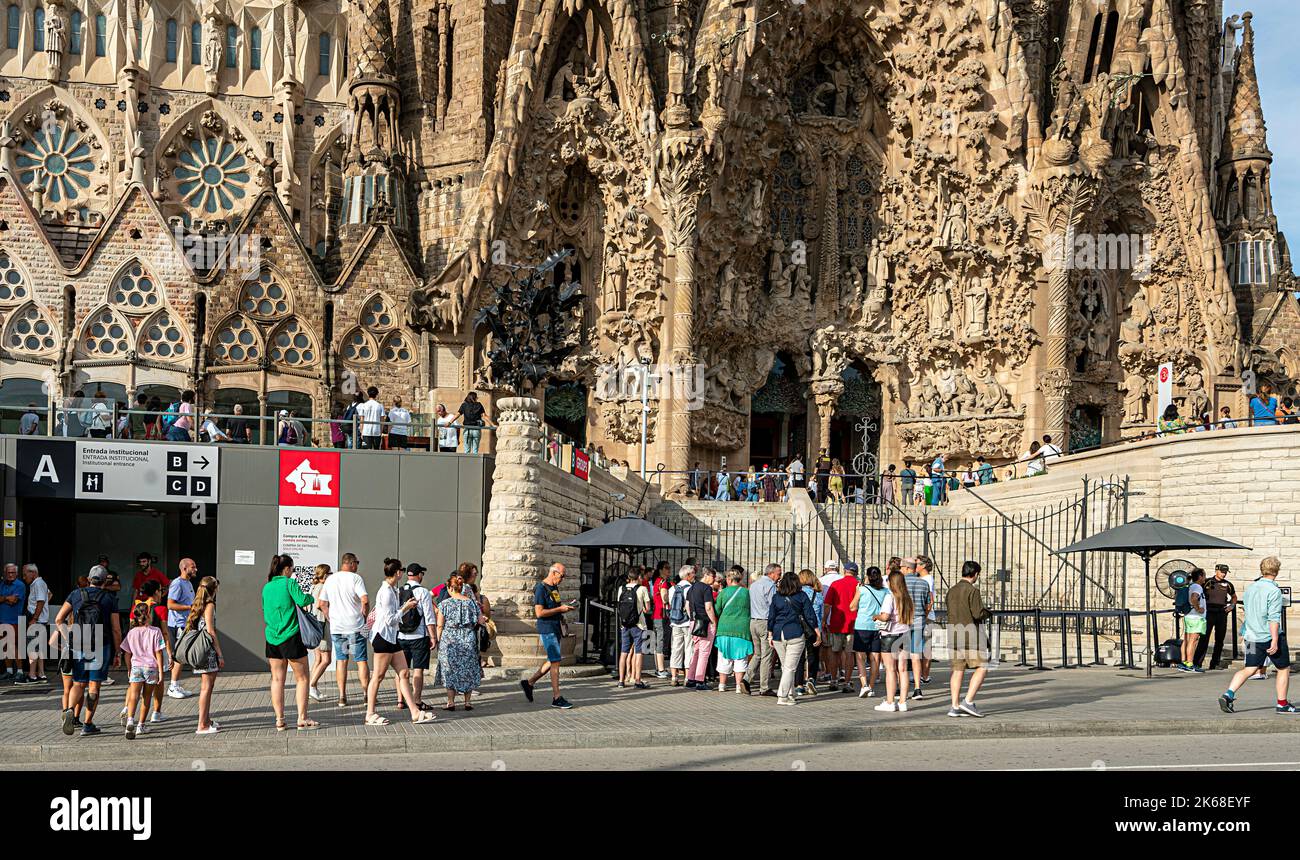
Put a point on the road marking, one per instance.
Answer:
(1157, 766)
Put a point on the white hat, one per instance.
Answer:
(98, 573)
(831, 564)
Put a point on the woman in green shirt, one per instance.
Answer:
(280, 598)
(732, 642)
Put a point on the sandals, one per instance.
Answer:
(376, 720)
(425, 717)
(468, 706)
(342, 703)
(279, 725)
(449, 707)
(308, 725)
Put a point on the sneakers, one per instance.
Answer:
(314, 694)
(662, 673)
(866, 692)
(846, 687)
(886, 706)
(955, 712)
(969, 708)
(1197, 670)
(69, 722)
(620, 685)
(210, 730)
(784, 701)
(902, 707)
(744, 685)
(130, 731)
(641, 685)
(176, 691)
(561, 703)
(1228, 704)
(925, 680)
(89, 729)
(1261, 677)
(527, 688)
(108, 682)
(1288, 708)
(772, 693)
(1184, 667)
(916, 694)
(122, 718)
(156, 717)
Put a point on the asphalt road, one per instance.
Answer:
(1249, 752)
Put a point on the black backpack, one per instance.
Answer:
(411, 618)
(628, 616)
(90, 612)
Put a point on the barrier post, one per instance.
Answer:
(1096, 652)
(1078, 638)
(1038, 640)
(1235, 654)
(1128, 640)
(1024, 648)
(1065, 640)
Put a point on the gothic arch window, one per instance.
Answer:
(232, 46)
(171, 40)
(13, 283)
(210, 162)
(105, 334)
(135, 290)
(237, 342)
(359, 347)
(29, 331)
(377, 314)
(162, 337)
(265, 298)
(58, 156)
(101, 35)
(38, 28)
(74, 33)
(857, 223)
(255, 48)
(13, 26)
(398, 349)
(293, 345)
(323, 47)
(196, 44)
(790, 199)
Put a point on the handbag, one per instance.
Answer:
(310, 628)
(193, 647)
(808, 632)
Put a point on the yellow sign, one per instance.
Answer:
(11, 528)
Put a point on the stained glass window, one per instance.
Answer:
(212, 174)
(56, 158)
(29, 331)
(265, 297)
(236, 342)
(397, 349)
(161, 337)
(292, 345)
(359, 347)
(13, 286)
(171, 40)
(135, 291)
(106, 334)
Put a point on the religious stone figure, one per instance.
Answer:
(977, 307)
(1197, 402)
(1135, 398)
(940, 307)
(211, 43)
(726, 286)
(54, 42)
(954, 230)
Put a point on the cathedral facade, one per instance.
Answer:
(885, 228)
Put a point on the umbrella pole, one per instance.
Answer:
(1151, 654)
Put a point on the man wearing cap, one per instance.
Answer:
(416, 631)
(838, 619)
(94, 651)
(1220, 598)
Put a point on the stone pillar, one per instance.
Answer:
(516, 540)
(826, 393)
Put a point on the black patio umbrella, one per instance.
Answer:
(1146, 537)
(629, 535)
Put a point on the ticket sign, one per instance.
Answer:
(309, 478)
(117, 471)
(1164, 387)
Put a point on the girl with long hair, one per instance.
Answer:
(322, 655)
(281, 597)
(895, 616)
(203, 616)
(866, 630)
(388, 651)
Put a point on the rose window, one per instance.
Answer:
(135, 290)
(236, 342)
(212, 175)
(292, 345)
(13, 287)
(265, 297)
(358, 346)
(58, 160)
(106, 334)
(162, 337)
(397, 349)
(376, 315)
(30, 331)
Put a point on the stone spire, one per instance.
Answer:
(1246, 135)
(373, 174)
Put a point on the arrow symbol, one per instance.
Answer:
(203, 462)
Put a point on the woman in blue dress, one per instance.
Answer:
(458, 658)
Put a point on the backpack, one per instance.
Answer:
(677, 606)
(170, 416)
(628, 615)
(90, 612)
(410, 619)
(1183, 600)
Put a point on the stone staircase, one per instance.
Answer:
(751, 534)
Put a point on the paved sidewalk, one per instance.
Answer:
(1018, 703)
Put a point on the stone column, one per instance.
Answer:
(826, 393)
(516, 540)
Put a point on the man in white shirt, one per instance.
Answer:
(38, 612)
(416, 639)
(30, 422)
(796, 471)
(345, 604)
(448, 435)
(1050, 449)
(399, 425)
(370, 412)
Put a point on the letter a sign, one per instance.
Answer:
(47, 469)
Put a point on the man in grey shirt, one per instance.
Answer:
(760, 601)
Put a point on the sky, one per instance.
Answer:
(1277, 35)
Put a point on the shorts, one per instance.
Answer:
(416, 651)
(732, 667)
(290, 649)
(551, 644)
(866, 641)
(893, 644)
(349, 646)
(383, 646)
(397, 441)
(839, 642)
(1193, 625)
(916, 643)
(629, 639)
(1257, 653)
(91, 671)
(143, 675)
(966, 659)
